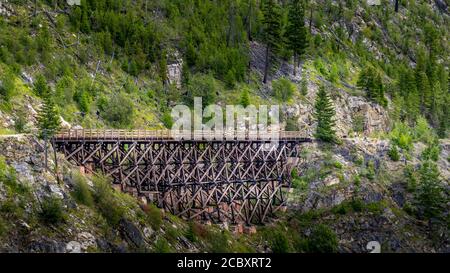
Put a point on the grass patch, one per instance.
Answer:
(82, 193)
(105, 201)
(153, 216)
(322, 240)
(52, 211)
(162, 246)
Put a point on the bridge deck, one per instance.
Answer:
(148, 135)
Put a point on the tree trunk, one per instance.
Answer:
(396, 5)
(310, 19)
(266, 68)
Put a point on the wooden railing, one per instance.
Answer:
(113, 134)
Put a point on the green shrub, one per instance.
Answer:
(8, 178)
(105, 201)
(291, 124)
(167, 120)
(322, 240)
(7, 86)
(304, 86)
(218, 242)
(358, 123)
(196, 231)
(411, 178)
(431, 152)
(393, 153)
(153, 215)
(376, 207)
(162, 246)
(401, 136)
(370, 170)
(20, 122)
(422, 131)
(119, 111)
(52, 211)
(3, 227)
(279, 242)
(82, 193)
(283, 89)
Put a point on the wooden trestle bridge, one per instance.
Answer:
(232, 178)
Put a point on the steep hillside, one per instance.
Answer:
(125, 64)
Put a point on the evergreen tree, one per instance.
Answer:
(430, 191)
(408, 90)
(370, 81)
(48, 117)
(40, 85)
(7, 86)
(324, 115)
(271, 31)
(245, 98)
(296, 31)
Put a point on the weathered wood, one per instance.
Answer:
(223, 180)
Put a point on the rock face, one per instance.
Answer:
(175, 70)
(353, 113)
(339, 176)
(82, 229)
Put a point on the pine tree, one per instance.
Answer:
(408, 90)
(370, 81)
(296, 31)
(245, 98)
(430, 191)
(324, 115)
(48, 117)
(272, 32)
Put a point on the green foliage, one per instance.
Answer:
(40, 86)
(402, 136)
(355, 205)
(322, 240)
(324, 115)
(7, 86)
(48, 116)
(204, 86)
(52, 211)
(370, 81)
(411, 178)
(196, 231)
(154, 216)
(422, 131)
(393, 153)
(304, 86)
(20, 122)
(283, 89)
(82, 192)
(244, 98)
(167, 120)
(430, 192)
(358, 123)
(106, 202)
(272, 30)
(219, 242)
(119, 111)
(296, 33)
(370, 170)
(291, 124)
(431, 152)
(162, 246)
(8, 178)
(279, 243)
